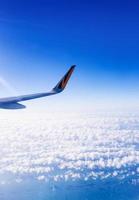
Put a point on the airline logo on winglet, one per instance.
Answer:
(63, 82)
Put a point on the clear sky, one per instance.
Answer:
(40, 39)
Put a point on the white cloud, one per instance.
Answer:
(69, 146)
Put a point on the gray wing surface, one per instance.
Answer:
(12, 102)
(25, 97)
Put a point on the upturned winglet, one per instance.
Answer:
(63, 82)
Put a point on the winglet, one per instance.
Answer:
(63, 82)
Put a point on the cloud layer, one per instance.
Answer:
(69, 146)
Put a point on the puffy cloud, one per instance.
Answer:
(69, 146)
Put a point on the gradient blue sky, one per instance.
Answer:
(40, 39)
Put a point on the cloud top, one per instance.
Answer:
(69, 146)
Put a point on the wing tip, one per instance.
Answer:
(73, 66)
(63, 82)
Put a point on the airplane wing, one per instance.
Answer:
(12, 102)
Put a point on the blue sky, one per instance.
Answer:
(39, 40)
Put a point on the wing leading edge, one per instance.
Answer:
(12, 102)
